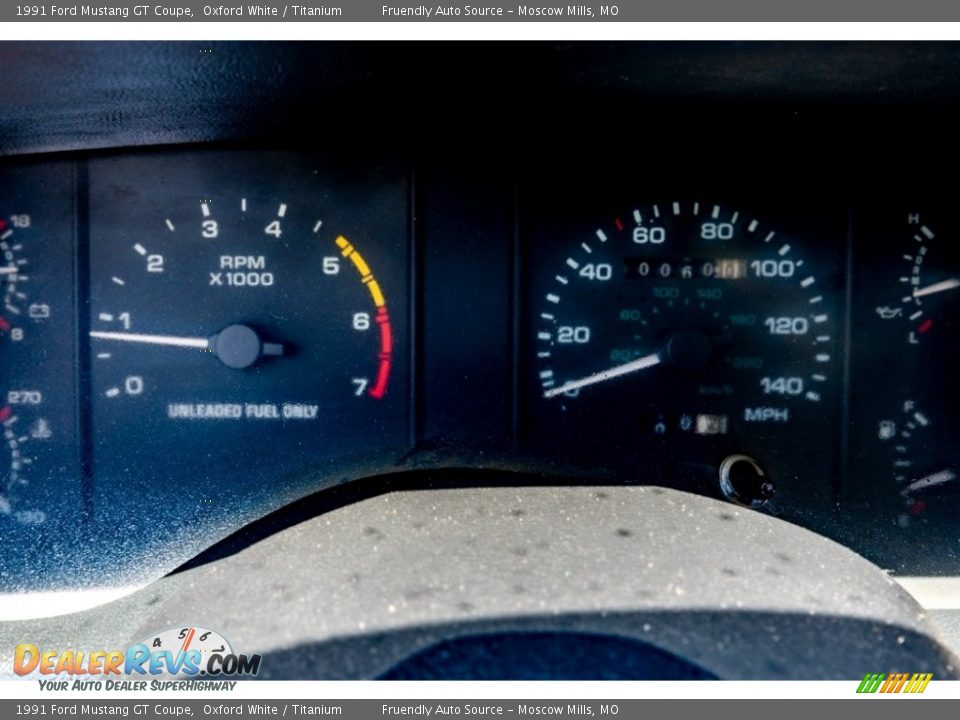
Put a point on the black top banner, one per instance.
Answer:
(490, 11)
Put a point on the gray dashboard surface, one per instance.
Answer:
(351, 593)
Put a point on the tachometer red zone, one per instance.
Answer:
(379, 388)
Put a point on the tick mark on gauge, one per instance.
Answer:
(141, 250)
(927, 232)
(112, 392)
(784, 250)
(243, 204)
(752, 226)
(170, 225)
(808, 281)
(822, 358)
(117, 281)
(562, 280)
(106, 317)
(573, 263)
(282, 210)
(553, 298)
(819, 318)
(316, 228)
(815, 299)
(638, 218)
(769, 236)
(103, 356)
(676, 208)
(586, 248)
(716, 212)
(601, 235)
(205, 209)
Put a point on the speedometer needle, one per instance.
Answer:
(614, 372)
(951, 284)
(175, 341)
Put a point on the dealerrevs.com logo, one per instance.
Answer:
(185, 652)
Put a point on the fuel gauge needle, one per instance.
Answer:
(931, 480)
(951, 284)
(173, 340)
(614, 372)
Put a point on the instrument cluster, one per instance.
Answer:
(196, 337)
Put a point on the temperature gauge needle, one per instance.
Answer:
(951, 284)
(173, 340)
(614, 372)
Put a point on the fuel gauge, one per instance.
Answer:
(926, 481)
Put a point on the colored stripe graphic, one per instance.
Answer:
(871, 682)
(893, 683)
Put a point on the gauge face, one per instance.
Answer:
(700, 330)
(39, 468)
(22, 414)
(912, 321)
(263, 329)
(242, 335)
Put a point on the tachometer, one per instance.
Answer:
(242, 306)
(695, 329)
(246, 324)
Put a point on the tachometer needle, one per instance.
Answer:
(951, 284)
(614, 372)
(187, 342)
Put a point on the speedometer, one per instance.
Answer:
(689, 331)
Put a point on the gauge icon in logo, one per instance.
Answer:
(179, 641)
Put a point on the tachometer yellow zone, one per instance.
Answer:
(383, 317)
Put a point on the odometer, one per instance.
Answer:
(685, 334)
